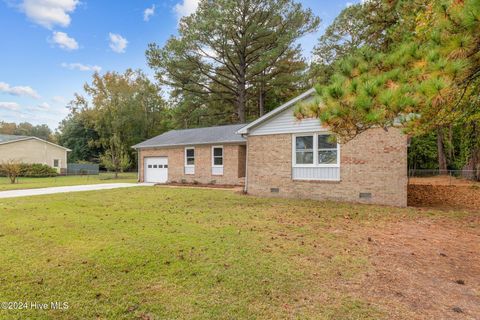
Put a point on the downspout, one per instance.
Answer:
(138, 165)
(245, 187)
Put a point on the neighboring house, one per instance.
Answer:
(33, 150)
(287, 157)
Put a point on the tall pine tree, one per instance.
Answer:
(228, 49)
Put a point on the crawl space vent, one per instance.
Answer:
(365, 195)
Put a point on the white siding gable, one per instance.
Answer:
(286, 122)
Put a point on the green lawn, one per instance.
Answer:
(165, 253)
(29, 183)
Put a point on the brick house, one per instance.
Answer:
(278, 155)
(202, 155)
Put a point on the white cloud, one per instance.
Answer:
(59, 99)
(117, 43)
(10, 106)
(186, 8)
(44, 106)
(148, 13)
(81, 67)
(39, 114)
(64, 41)
(18, 90)
(49, 13)
(40, 107)
(349, 4)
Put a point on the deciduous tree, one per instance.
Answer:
(120, 110)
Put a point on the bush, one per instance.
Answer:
(36, 170)
(10, 169)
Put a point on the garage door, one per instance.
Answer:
(156, 169)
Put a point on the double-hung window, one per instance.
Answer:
(316, 156)
(327, 150)
(190, 160)
(304, 150)
(217, 160)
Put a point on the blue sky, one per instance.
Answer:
(50, 48)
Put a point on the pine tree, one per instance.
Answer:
(228, 47)
(424, 80)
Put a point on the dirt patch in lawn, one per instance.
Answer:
(425, 269)
(442, 196)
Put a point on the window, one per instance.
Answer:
(189, 160)
(327, 149)
(217, 159)
(316, 150)
(189, 156)
(56, 163)
(304, 150)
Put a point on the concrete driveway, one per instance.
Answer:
(53, 190)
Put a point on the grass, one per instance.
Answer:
(167, 253)
(31, 183)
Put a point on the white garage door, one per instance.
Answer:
(156, 169)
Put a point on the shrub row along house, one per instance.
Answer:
(279, 155)
(25, 149)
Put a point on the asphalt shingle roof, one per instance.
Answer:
(9, 138)
(210, 135)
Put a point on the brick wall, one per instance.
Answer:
(242, 163)
(374, 162)
(232, 157)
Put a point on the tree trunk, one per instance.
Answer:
(13, 178)
(261, 97)
(451, 145)
(241, 100)
(242, 93)
(261, 103)
(472, 167)
(442, 160)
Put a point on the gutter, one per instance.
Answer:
(137, 147)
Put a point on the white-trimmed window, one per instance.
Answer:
(217, 160)
(190, 160)
(315, 156)
(315, 150)
(304, 150)
(327, 147)
(56, 163)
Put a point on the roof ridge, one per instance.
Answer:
(218, 126)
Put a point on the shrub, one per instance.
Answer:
(36, 170)
(10, 169)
